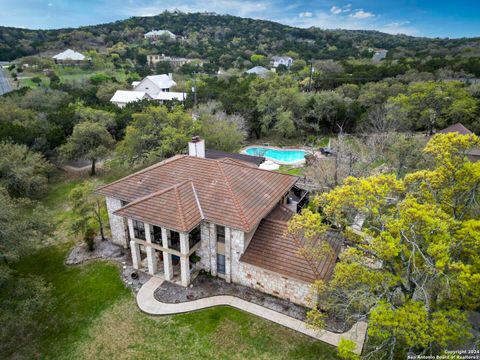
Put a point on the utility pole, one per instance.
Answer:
(194, 90)
(311, 75)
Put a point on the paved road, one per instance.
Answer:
(4, 84)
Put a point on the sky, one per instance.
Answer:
(431, 18)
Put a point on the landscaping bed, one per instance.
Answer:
(205, 286)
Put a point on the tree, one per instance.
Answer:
(414, 269)
(23, 225)
(155, 133)
(432, 105)
(89, 141)
(87, 207)
(23, 173)
(220, 131)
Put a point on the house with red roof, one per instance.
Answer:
(222, 215)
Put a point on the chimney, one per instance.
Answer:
(170, 76)
(196, 147)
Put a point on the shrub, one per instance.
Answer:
(89, 238)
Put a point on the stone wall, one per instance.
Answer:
(272, 283)
(248, 275)
(117, 224)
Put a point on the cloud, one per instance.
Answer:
(305, 14)
(50, 4)
(360, 14)
(336, 10)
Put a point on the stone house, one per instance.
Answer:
(223, 215)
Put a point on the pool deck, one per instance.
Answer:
(276, 161)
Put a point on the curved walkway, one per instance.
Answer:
(148, 304)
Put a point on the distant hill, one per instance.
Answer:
(229, 39)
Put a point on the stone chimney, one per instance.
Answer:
(170, 76)
(196, 147)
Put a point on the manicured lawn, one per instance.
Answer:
(94, 316)
(284, 169)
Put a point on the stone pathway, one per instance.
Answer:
(148, 304)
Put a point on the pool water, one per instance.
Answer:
(283, 156)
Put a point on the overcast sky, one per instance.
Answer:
(431, 18)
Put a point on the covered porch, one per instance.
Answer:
(163, 252)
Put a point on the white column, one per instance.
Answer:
(213, 250)
(130, 229)
(228, 239)
(167, 258)
(151, 258)
(184, 244)
(136, 259)
(185, 270)
(184, 259)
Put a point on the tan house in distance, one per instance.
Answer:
(153, 60)
(223, 215)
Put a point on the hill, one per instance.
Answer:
(225, 39)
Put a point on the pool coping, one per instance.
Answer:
(293, 163)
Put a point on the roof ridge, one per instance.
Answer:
(179, 204)
(196, 198)
(151, 167)
(235, 200)
(156, 193)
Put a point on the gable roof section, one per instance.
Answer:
(161, 81)
(458, 128)
(271, 248)
(229, 193)
(69, 54)
(127, 96)
(176, 208)
(215, 154)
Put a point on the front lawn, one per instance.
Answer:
(95, 317)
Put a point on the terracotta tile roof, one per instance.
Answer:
(215, 154)
(458, 127)
(229, 194)
(175, 208)
(280, 212)
(271, 248)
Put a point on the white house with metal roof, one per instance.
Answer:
(124, 97)
(157, 34)
(70, 56)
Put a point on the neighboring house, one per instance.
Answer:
(379, 55)
(157, 34)
(155, 84)
(259, 71)
(70, 57)
(281, 60)
(156, 87)
(474, 154)
(153, 60)
(124, 97)
(224, 216)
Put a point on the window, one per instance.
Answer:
(194, 237)
(220, 234)
(221, 264)
(174, 241)
(156, 234)
(139, 230)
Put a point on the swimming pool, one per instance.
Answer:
(280, 156)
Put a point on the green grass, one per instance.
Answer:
(285, 169)
(94, 315)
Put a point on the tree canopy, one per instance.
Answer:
(414, 269)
